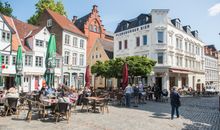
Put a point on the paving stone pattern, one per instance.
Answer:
(197, 113)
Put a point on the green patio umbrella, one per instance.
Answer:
(50, 61)
(18, 66)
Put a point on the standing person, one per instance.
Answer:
(141, 91)
(136, 94)
(128, 92)
(175, 102)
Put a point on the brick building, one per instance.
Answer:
(99, 43)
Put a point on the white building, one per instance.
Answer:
(177, 50)
(211, 67)
(8, 52)
(71, 45)
(34, 41)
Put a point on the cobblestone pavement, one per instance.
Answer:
(198, 113)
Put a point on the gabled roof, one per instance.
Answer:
(64, 23)
(23, 30)
(81, 21)
(7, 22)
(107, 46)
(15, 38)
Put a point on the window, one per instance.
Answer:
(186, 63)
(49, 22)
(95, 28)
(74, 59)
(28, 60)
(160, 58)
(145, 40)
(126, 44)
(66, 57)
(137, 41)
(81, 43)
(74, 42)
(98, 29)
(57, 63)
(160, 37)
(120, 45)
(90, 27)
(67, 39)
(5, 36)
(13, 60)
(39, 61)
(5, 59)
(81, 59)
(39, 43)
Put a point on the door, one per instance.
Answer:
(172, 82)
(159, 82)
(26, 84)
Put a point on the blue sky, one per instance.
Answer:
(201, 15)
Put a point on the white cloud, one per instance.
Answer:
(214, 10)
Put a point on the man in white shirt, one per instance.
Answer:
(128, 92)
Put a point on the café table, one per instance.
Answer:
(94, 101)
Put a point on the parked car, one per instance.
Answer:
(211, 90)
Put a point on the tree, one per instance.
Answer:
(5, 9)
(46, 4)
(137, 66)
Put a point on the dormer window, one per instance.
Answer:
(49, 22)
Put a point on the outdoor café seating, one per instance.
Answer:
(62, 109)
(11, 106)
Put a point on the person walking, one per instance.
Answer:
(128, 92)
(175, 102)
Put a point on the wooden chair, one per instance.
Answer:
(61, 110)
(35, 107)
(11, 105)
(85, 103)
(104, 105)
(22, 104)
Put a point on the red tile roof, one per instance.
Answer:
(23, 30)
(65, 23)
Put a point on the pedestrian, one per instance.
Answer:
(128, 92)
(175, 102)
(136, 94)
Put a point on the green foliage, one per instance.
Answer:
(5, 8)
(137, 66)
(46, 4)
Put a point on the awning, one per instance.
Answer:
(179, 71)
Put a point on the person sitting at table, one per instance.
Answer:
(49, 91)
(73, 96)
(12, 93)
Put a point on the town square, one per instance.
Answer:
(109, 65)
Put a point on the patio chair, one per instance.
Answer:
(11, 105)
(85, 103)
(104, 105)
(34, 107)
(112, 97)
(120, 98)
(61, 110)
(21, 105)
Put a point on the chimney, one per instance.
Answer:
(95, 8)
(74, 19)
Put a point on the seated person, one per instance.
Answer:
(12, 93)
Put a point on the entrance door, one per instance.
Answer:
(26, 84)
(159, 82)
(9, 82)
